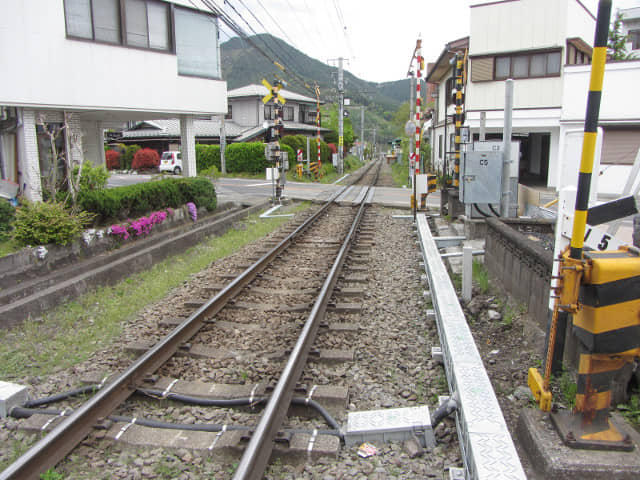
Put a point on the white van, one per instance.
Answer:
(171, 162)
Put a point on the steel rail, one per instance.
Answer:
(256, 456)
(52, 448)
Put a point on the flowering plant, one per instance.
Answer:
(193, 211)
(141, 226)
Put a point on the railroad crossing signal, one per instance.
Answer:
(273, 92)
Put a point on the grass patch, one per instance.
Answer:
(481, 276)
(400, 173)
(631, 410)
(72, 332)
(9, 246)
(568, 388)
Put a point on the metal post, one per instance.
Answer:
(505, 199)
(223, 146)
(308, 154)
(467, 272)
(362, 134)
(340, 117)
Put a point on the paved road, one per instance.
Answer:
(122, 179)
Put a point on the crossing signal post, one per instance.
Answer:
(272, 149)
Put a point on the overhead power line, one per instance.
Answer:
(237, 29)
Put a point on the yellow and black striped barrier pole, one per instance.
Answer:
(598, 289)
(590, 128)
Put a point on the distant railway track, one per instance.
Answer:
(284, 292)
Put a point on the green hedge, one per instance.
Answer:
(206, 156)
(300, 142)
(249, 157)
(142, 198)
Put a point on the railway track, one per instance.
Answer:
(275, 296)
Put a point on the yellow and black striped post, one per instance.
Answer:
(590, 128)
(601, 290)
(458, 120)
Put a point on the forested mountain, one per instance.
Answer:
(242, 65)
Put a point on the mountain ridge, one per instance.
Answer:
(242, 64)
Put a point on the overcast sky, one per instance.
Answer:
(376, 37)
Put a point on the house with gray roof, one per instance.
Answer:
(247, 120)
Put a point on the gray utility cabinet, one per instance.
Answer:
(482, 177)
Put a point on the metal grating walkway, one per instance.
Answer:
(487, 447)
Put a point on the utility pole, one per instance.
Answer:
(374, 145)
(340, 117)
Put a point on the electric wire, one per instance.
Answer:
(233, 25)
(290, 59)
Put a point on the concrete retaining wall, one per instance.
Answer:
(521, 265)
(86, 274)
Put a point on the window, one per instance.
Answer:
(197, 43)
(269, 112)
(503, 67)
(147, 23)
(449, 89)
(528, 65)
(288, 114)
(99, 21)
(439, 146)
(634, 38)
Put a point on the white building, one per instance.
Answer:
(247, 119)
(619, 125)
(531, 41)
(631, 28)
(98, 65)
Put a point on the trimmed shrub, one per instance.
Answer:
(129, 153)
(246, 158)
(146, 158)
(139, 199)
(93, 177)
(207, 156)
(112, 159)
(7, 216)
(43, 223)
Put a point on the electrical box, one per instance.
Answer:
(482, 178)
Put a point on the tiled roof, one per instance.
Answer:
(205, 128)
(171, 128)
(260, 91)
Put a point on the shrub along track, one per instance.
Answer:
(240, 354)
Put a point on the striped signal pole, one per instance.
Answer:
(458, 121)
(419, 67)
(318, 123)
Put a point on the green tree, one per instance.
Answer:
(616, 45)
(400, 118)
(349, 136)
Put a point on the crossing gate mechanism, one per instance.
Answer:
(602, 291)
